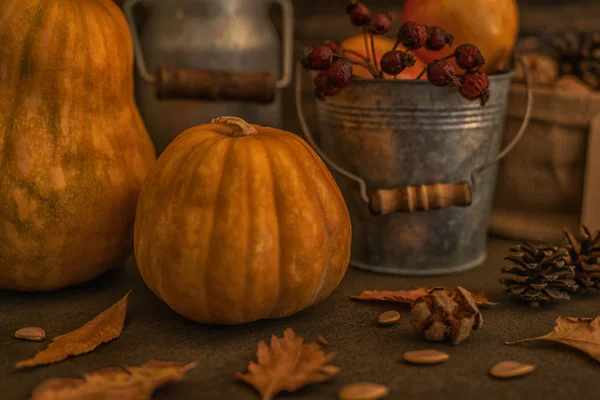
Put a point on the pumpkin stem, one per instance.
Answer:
(239, 126)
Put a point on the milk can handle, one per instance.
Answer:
(287, 13)
(420, 197)
(216, 85)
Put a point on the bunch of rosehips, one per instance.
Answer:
(335, 69)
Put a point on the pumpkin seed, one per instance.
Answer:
(363, 391)
(322, 341)
(511, 369)
(389, 318)
(425, 357)
(32, 333)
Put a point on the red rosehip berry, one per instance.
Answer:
(442, 73)
(395, 61)
(335, 46)
(475, 85)
(382, 23)
(468, 57)
(340, 73)
(438, 38)
(413, 35)
(323, 87)
(321, 57)
(360, 15)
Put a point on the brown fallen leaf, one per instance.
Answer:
(105, 327)
(408, 296)
(288, 364)
(582, 334)
(129, 383)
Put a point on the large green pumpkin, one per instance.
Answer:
(73, 148)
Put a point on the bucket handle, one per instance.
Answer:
(180, 83)
(419, 197)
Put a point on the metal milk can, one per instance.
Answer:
(212, 58)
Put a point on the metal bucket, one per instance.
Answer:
(412, 137)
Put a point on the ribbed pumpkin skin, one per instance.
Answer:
(73, 148)
(234, 229)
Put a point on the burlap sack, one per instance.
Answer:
(540, 183)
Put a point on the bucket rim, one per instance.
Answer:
(493, 78)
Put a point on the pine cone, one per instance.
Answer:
(539, 274)
(584, 255)
(579, 55)
(441, 316)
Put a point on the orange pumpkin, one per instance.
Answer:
(491, 25)
(239, 222)
(74, 148)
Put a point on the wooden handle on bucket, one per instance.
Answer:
(423, 197)
(180, 83)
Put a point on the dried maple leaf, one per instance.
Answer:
(582, 334)
(288, 364)
(408, 296)
(105, 327)
(129, 383)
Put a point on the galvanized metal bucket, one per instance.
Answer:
(427, 152)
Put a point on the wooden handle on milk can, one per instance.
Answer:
(180, 83)
(423, 197)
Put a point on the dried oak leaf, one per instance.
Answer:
(582, 334)
(129, 383)
(287, 364)
(408, 296)
(105, 327)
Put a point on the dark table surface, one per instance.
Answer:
(364, 350)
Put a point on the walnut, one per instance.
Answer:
(443, 315)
